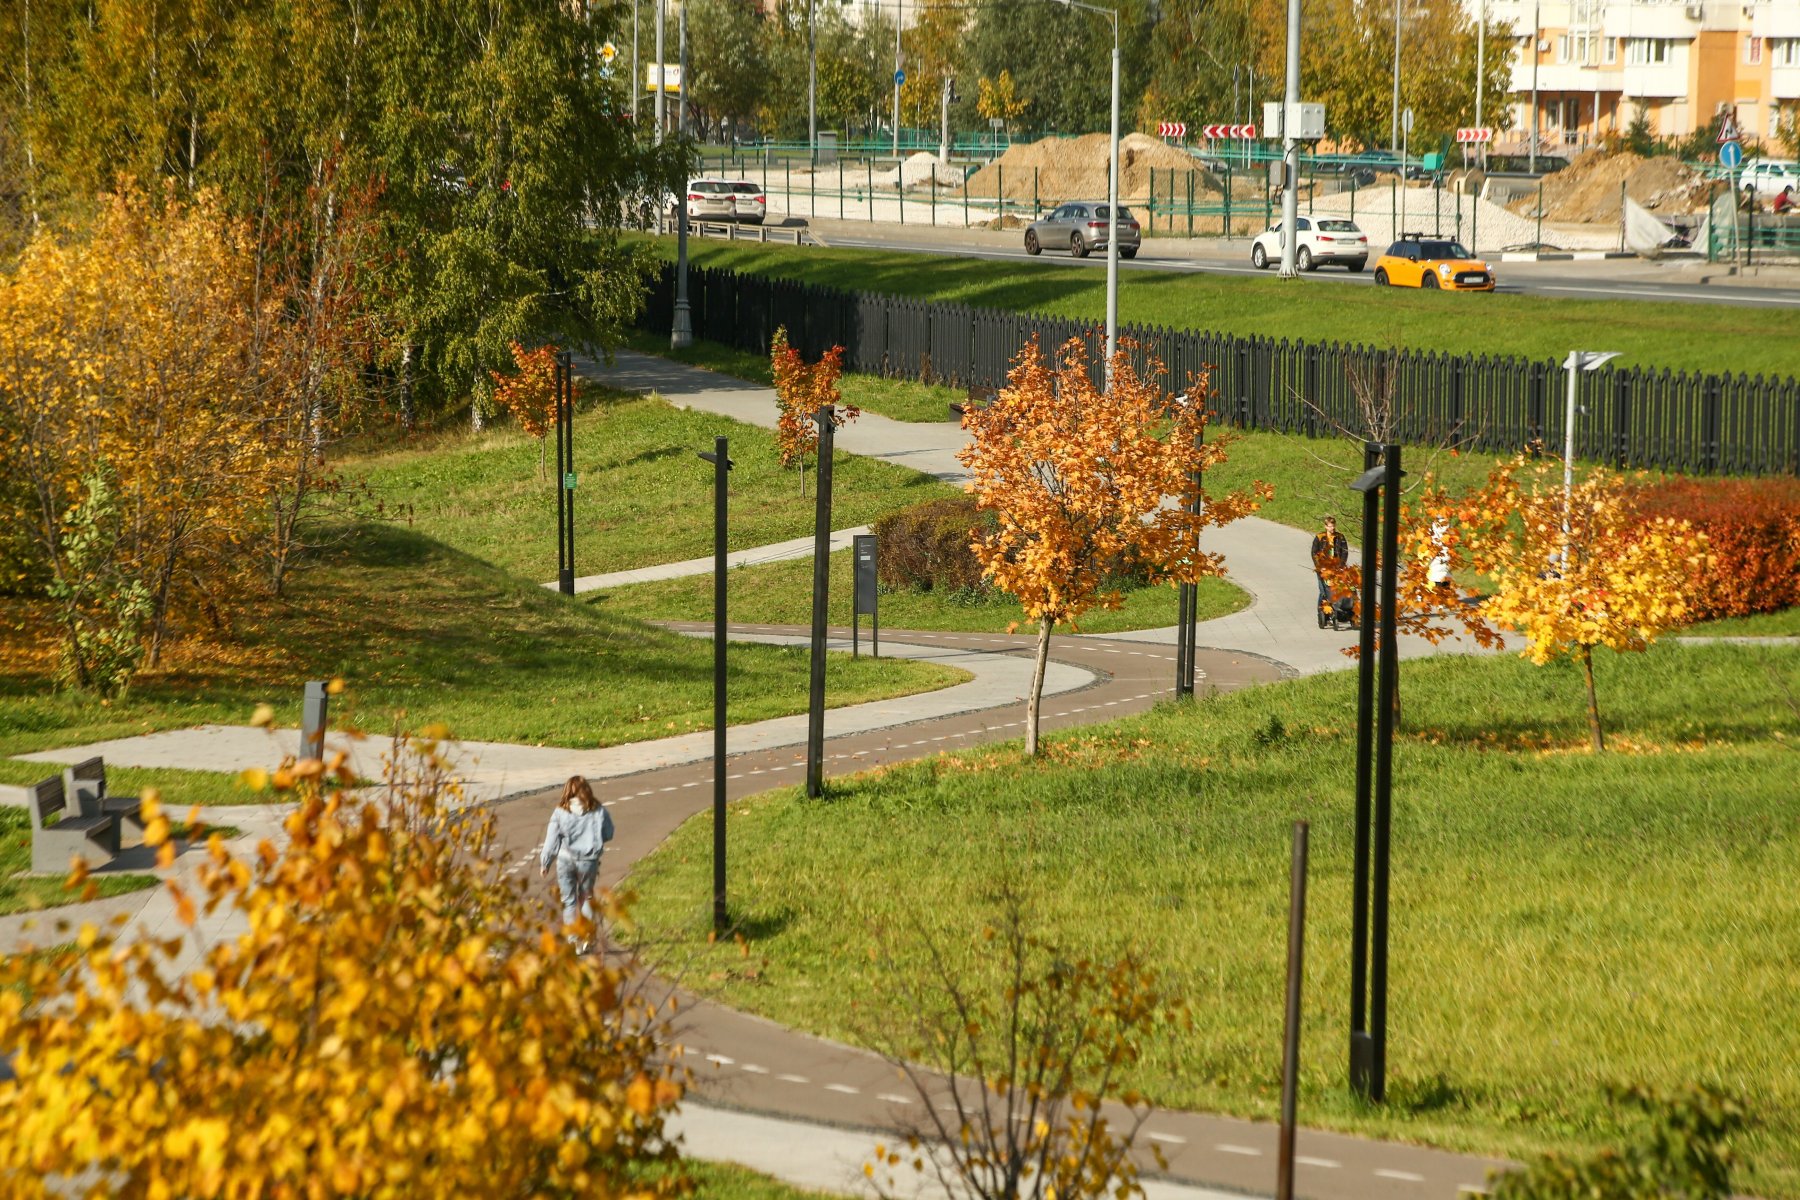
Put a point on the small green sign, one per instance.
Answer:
(569, 482)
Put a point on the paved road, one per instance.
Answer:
(1610, 280)
(743, 1061)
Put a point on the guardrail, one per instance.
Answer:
(1636, 416)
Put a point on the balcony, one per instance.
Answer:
(1652, 21)
(1784, 83)
(1662, 82)
(1776, 21)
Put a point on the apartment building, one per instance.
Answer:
(1595, 64)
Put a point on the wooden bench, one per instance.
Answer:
(84, 785)
(54, 841)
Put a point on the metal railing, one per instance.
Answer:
(1637, 417)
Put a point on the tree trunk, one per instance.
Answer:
(406, 411)
(1593, 703)
(543, 471)
(1034, 706)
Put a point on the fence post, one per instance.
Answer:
(840, 189)
(1622, 418)
(1225, 220)
(1709, 424)
(1190, 204)
(1036, 203)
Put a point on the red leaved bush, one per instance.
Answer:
(1752, 530)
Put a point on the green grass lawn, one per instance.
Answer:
(780, 594)
(423, 633)
(641, 496)
(1677, 336)
(180, 789)
(1785, 623)
(20, 892)
(728, 1181)
(1561, 921)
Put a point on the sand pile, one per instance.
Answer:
(1586, 192)
(917, 171)
(1491, 226)
(1059, 169)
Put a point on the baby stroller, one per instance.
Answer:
(1339, 612)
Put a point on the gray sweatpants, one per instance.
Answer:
(575, 879)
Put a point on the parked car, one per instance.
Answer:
(1081, 226)
(1433, 263)
(723, 200)
(1769, 175)
(1321, 240)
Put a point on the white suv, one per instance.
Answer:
(1322, 240)
(1769, 175)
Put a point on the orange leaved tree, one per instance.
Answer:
(529, 393)
(1079, 477)
(800, 392)
(1572, 572)
(393, 1019)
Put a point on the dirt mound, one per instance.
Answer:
(1586, 192)
(1058, 169)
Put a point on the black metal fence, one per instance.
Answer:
(1637, 417)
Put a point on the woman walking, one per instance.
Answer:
(579, 829)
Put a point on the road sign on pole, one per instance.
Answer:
(899, 78)
(1466, 136)
(1731, 155)
(1172, 129)
(1228, 131)
(1728, 130)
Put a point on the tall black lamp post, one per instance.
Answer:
(1380, 487)
(1188, 610)
(722, 465)
(565, 473)
(826, 420)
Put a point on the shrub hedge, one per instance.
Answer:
(926, 546)
(1753, 535)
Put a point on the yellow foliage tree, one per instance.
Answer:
(1078, 474)
(393, 1021)
(1578, 570)
(998, 100)
(129, 356)
(800, 392)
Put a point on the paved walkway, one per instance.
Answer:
(799, 547)
(744, 1061)
(1270, 561)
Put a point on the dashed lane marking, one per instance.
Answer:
(1247, 1151)
(1169, 1138)
(793, 1079)
(1403, 1176)
(753, 1069)
(1306, 1161)
(893, 1099)
(720, 1059)
(844, 1088)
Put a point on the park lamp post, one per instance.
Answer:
(1112, 191)
(720, 458)
(681, 326)
(1577, 362)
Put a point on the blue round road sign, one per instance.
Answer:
(1731, 155)
(899, 78)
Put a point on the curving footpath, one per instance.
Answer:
(801, 1107)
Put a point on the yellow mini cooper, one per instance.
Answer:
(1428, 262)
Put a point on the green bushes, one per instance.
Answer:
(926, 546)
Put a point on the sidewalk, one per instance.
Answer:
(799, 547)
(1270, 561)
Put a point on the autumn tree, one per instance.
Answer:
(999, 99)
(529, 393)
(1078, 475)
(934, 52)
(1021, 1076)
(1578, 569)
(801, 390)
(395, 1019)
(132, 407)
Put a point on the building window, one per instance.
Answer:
(1610, 50)
(1753, 50)
(1787, 51)
(1562, 48)
(1647, 52)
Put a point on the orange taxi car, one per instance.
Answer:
(1431, 263)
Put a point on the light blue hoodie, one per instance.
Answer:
(581, 835)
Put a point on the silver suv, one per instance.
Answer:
(1081, 226)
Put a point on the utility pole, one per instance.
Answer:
(812, 83)
(637, 75)
(1537, 16)
(944, 120)
(1394, 116)
(662, 109)
(1481, 74)
(1290, 147)
(902, 182)
(681, 328)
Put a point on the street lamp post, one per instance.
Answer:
(681, 328)
(662, 107)
(1290, 150)
(1537, 26)
(812, 84)
(720, 458)
(1394, 116)
(1577, 362)
(1112, 193)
